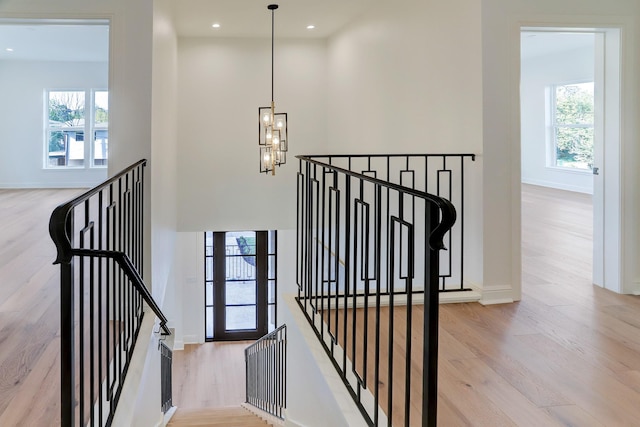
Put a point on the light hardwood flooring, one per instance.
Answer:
(29, 309)
(222, 417)
(567, 354)
(210, 375)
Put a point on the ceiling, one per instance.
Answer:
(538, 43)
(67, 40)
(54, 41)
(251, 18)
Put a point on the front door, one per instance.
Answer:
(237, 286)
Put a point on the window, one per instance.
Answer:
(572, 119)
(66, 121)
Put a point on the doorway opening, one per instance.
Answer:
(570, 134)
(55, 82)
(240, 284)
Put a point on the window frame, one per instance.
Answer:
(89, 130)
(553, 126)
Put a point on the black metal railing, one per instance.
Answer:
(166, 383)
(239, 265)
(439, 174)
(368, 280)
(99, 242)
(266, 370)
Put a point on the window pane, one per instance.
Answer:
(574, 147)
(272, 242)
(57, 149)
(66, 120)
(66, 148)
(272, 317)
(208, 269)
(101, 108)
(271, 299)
(240, 293)
(574, 104)
(241, 318)
(66, 109)
(209, 322)
(271, 274)
(100, 147)
(209, 293)
(240, 248)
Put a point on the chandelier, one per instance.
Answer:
(272, 126)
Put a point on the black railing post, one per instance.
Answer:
(67, 346)
(431, 325)
(166, 377)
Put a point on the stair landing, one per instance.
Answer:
(228, 417)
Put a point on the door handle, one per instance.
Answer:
(596, 171)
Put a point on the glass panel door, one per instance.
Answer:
(240, 281)
(239, 272)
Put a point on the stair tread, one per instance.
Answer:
(229, 416)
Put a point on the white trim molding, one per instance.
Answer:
(497, 295)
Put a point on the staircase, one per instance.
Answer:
(227, 417)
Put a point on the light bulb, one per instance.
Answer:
(265, 118)
(268, 135)
(266, 157)
(280, 124)
(276, 140)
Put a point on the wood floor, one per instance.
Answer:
(222, 417)
(567, 354)
(210, 375)
(29, 309)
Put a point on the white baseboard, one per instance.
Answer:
(460, 297)
(178, 345)
(167, 417)
(189, 339)
(497, 295)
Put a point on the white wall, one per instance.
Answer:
(501, 22)
(405, 78)
(163, 164)
(22, 103)
(130, 86)
(538, 73)
(221, 84)
(188, 318)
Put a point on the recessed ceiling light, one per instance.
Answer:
(310, 27)
(9, 49)
(216, 25)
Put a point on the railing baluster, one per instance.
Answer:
(101, 294)
(393, 210)
(265, 362)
